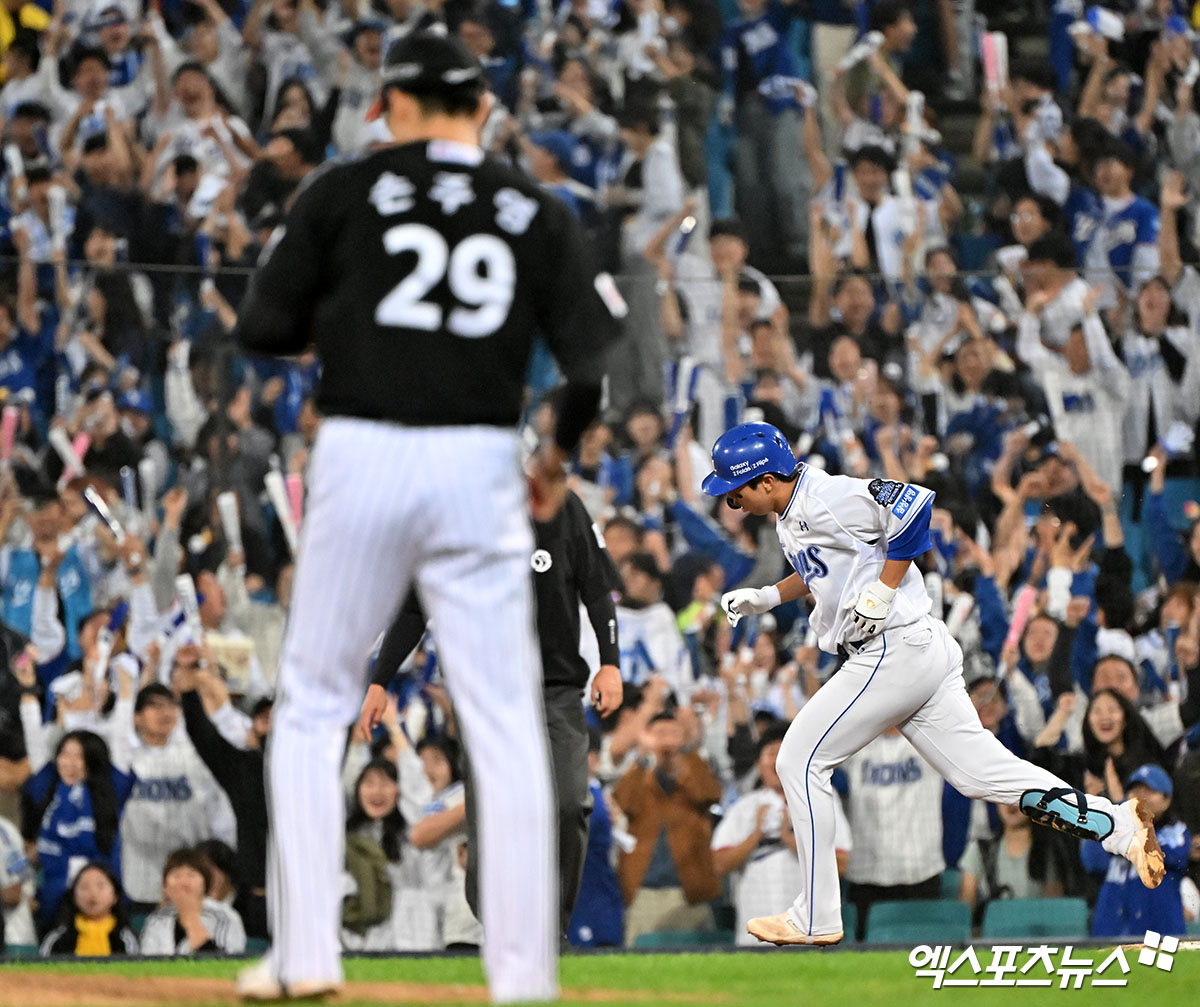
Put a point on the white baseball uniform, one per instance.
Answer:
(1087, 408)
(889, 783)
(469, 555)
(175, 803)
(837, 532)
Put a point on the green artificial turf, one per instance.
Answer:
(826, 978)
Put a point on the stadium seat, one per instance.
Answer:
(1036, 918)
(918, 922)
(1193, 928)
(685, 939)
(849, 921)
(18, 951)
(137, 921)
(951, 883)
(257, 945)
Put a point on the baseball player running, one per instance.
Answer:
(851, 543)
(570, 567)
(422, 273)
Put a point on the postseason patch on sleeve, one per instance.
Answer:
(885, 491)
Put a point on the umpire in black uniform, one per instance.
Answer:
(570, 566)
(422, 272)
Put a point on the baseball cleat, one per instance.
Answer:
(258, 984)
(1144, 852)
(780, 930)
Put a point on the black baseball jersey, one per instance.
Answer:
(570, 566)
(422, 273)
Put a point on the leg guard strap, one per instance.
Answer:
(1066, 810)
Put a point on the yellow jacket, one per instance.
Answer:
(29, 16)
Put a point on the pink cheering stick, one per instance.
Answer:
(72, 457)
(994, 49)
(1021, 612)
(8, 431)
(80, 446)
(295, 490)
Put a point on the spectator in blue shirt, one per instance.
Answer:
(70, 809)
(598, 919)
(1126, 907)
(772, 180)
(550, 155)
(1123, 253)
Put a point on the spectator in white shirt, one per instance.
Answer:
(650, 638)
(175, 800)
(189, 922)
(895, 811)
(754, 842)
(1062, 338)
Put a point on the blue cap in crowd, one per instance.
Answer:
(136, 400)
(1152, 776)
(361, 25)
(559, 143)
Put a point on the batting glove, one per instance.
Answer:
(873, 607)
(749, 601)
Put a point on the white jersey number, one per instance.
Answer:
(481, 272)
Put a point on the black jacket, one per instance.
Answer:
(570, 566)
(240, 774)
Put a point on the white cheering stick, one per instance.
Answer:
(104, 649)
(16, 169)
(959, 611)
(231, 524)
(277, 492)
(185, 590)
(148, 477)
(902, 183)
(865, 48)
(58, 218)
(96, 502)
(72, 463)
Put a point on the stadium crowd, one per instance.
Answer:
(1029, 349)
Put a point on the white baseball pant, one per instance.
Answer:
(910, 678)
(445, 507)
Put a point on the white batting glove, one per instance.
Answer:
(872, 608)
(749, 601)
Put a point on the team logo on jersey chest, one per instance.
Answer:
(541, 561)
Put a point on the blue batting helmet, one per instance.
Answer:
(746, 452)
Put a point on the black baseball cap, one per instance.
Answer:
(424, 63)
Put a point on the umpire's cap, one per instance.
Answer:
(424, 63)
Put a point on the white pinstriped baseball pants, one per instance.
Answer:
(445, 507)
(909, 678)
